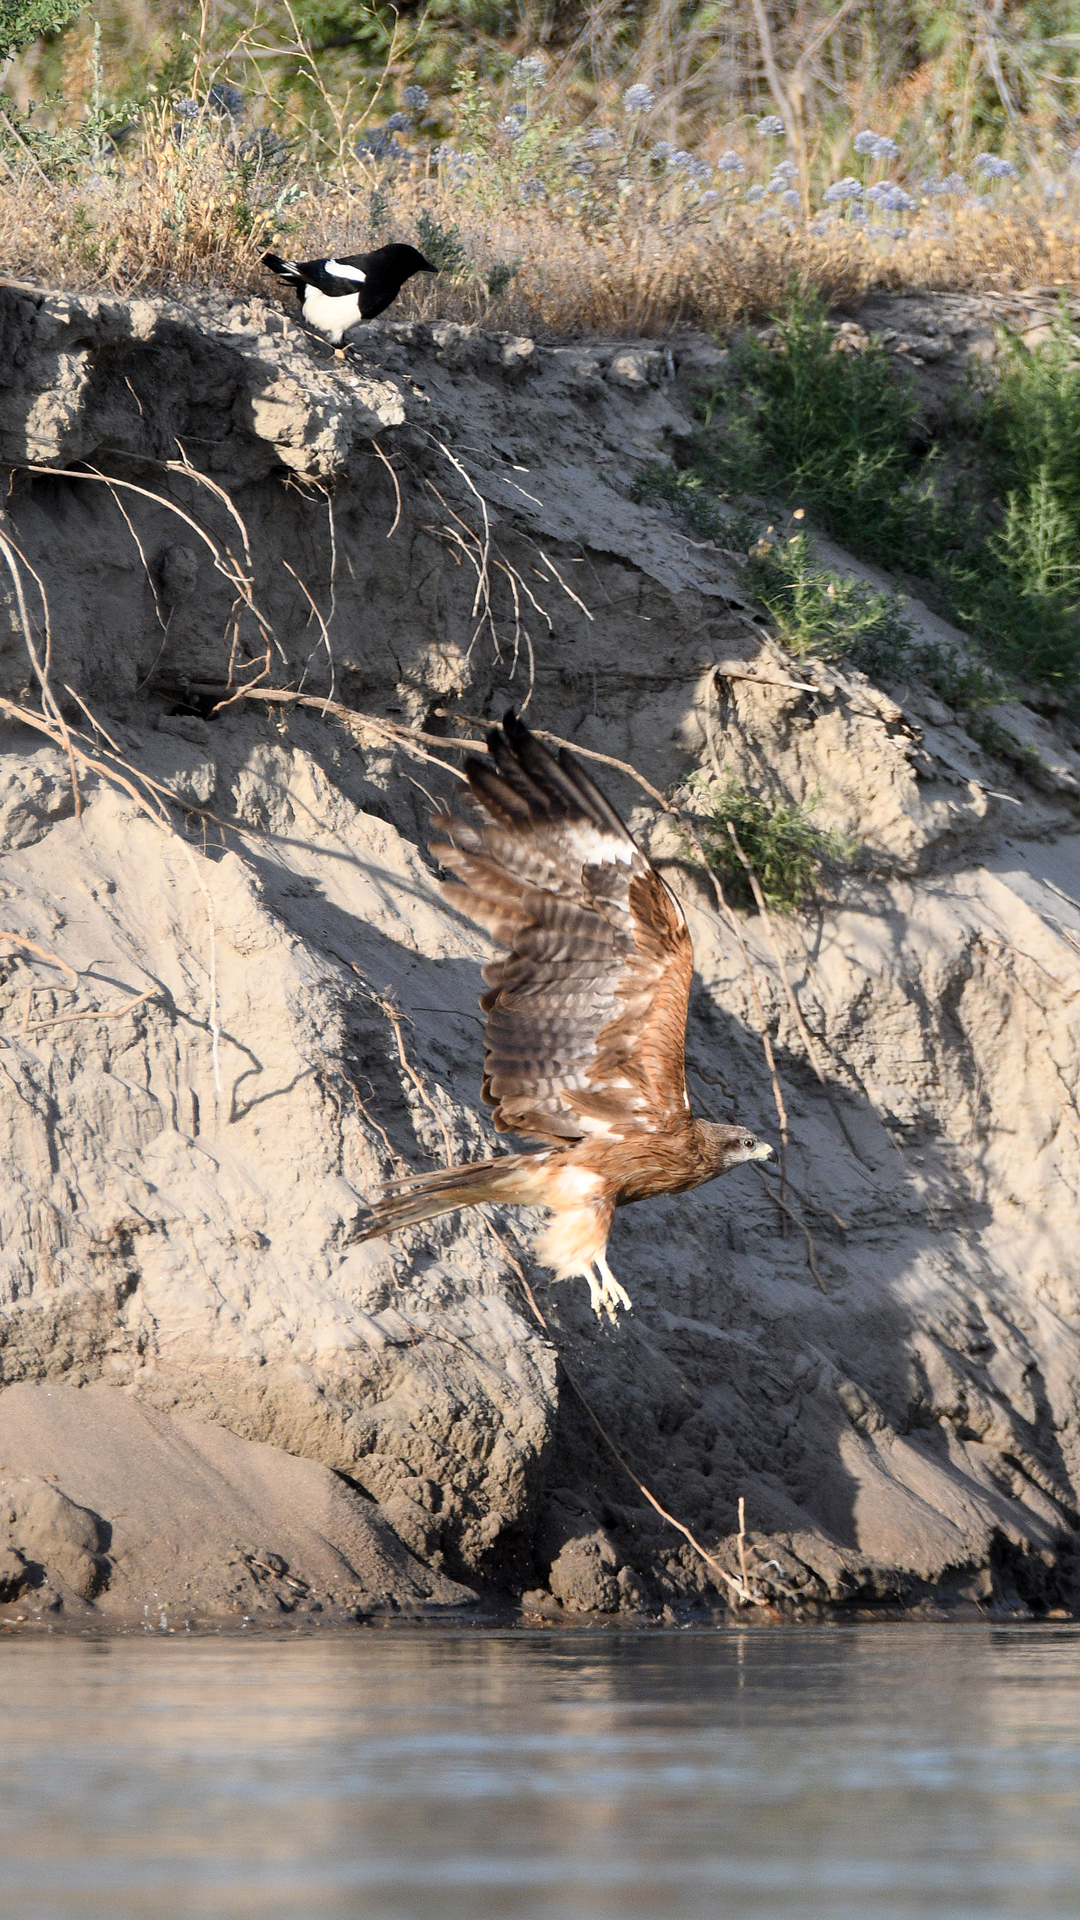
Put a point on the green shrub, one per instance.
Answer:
(443, 246)
(781, 842)
(1030, 416)
(687, 491)
(818, 612)
(446, 250)
(838, 433)
(24, 21)
(835, 431)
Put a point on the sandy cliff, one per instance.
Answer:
(232, 998)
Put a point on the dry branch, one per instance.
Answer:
(766, 919)
(93, 1013)
(43, 953)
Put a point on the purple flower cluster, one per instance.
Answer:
(528, 72)
(993, 167)
(875, 146)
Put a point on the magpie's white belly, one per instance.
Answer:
(331, 313)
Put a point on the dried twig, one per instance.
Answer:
(764, 680)
(742, 1543)
(162, 621)
(392, 1155)
(29, 154)
(569, 591)
(483, 578)
(323, 629)
(387, 1007)
(385, 729)
(13, 558)
(43, 953)
(763, 1026)
(397, 488)
(224, 560)
(742, 1591)
(797, 1220)
(741, 1588)
(766, 918)
(96, 1013)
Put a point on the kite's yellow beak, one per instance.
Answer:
(762, 1151)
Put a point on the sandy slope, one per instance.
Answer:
(193, 1117)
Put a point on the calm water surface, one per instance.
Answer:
(865, 1773)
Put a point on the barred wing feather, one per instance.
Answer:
(586, 1007)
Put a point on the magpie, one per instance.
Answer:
(336, 294)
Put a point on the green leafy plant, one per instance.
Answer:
(966, 684)
(998, 550)
(838, 430)
(24, 21)
(378, 212)
(1030, 415)
(820, 612)
(446, 250)
(443, 246)
(687, 491)
(782, 843)
(1004, 745)
(500, 276)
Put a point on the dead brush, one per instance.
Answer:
(194, 213)
(178, 214)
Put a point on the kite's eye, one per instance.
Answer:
(748, 1144)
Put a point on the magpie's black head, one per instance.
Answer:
(399, 263)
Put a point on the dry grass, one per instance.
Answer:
(602, 239)
(175, 217)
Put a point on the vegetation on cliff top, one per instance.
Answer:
(637, 169)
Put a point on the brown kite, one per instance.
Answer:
(586, 1014)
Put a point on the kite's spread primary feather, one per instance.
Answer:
(586, 1014)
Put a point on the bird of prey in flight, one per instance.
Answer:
(586, 1009)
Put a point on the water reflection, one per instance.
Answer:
(457, 1775)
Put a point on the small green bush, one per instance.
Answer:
(839, 434)
(837, 431)
(781, 842)
(24, 21)
(443, 246)
(687, 491)
(818, 612)
(1030, 417)
(446, 250)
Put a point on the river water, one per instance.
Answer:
(859, 1773)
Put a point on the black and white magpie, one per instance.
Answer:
(336, 294)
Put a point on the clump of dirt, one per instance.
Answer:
(233, 999)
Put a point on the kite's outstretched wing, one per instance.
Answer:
(587, 1010)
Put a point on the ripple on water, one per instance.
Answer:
(864, 1773)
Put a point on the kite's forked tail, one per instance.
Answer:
(513, 1178)
(574, 1240)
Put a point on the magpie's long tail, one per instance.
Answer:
(285, 269)
(513, 1177)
